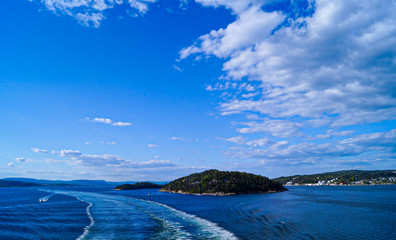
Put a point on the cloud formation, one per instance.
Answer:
(108, 121)
(237, 140)
(20, 159)
(107, 160)
(91, 12)
(37, 150)
(176, 138)
(312, 67)
(336, 63)
(364, 146)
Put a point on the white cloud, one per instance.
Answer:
(150, 164)
(336, 65)
(277, 128)
(20, 159)
(302, 153)
(327, 65)
(108, 121)
(176, 138)
(107, 160)
(10, 164)
(251, 27)
(330, 133)
(101, 120)
(121, 124)
(237, 6)
(37, 150)
(259, 142)
(69, 153)
(237, 140)
(91, 12)
(152, 145)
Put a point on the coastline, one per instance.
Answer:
(217, 193)
(336, 185)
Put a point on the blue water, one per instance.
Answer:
(349, 212)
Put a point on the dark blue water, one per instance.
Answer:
(349, 212)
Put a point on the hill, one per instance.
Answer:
(352, 177)
(214, 182)
(139, 185)
(10, 183)
(31, 182)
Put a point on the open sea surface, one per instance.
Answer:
(325, 212)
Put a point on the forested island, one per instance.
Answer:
(139, 185)
(214, 182)
(347, 177)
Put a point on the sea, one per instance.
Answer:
(322, 212)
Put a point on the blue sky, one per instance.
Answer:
(157, 89)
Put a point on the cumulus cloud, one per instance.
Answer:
(356, 146)
(108, 160)
(152, 145)
(311, 67)
(108, 121)
(237, 140)
(91, 12)
(330, 133)
(176, 138)
(20, 159)
(259, 142)
(69, 153)
(277, 128)
(121, 124)
(37, 150)
(336, 62)
(150, 164)
(10, 164)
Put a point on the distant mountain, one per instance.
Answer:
(139, 185)
(81, 182)
(9, 183)
(61, 182)
(214, 182)
(355, 177)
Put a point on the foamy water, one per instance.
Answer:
(91, 220)
(366, 212)
(141, 219)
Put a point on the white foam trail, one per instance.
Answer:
(206, 229)
(171, 227)
(91, 220)
(44, 199)
(208, 226)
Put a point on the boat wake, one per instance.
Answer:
(91, 220)
(46, 198)
(121, 217)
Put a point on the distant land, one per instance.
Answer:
(215, 182)
(139, 185)
(31, 182)
(346, 177)
(9, 183)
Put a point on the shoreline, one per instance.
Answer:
(339, 185)
(217, 193)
